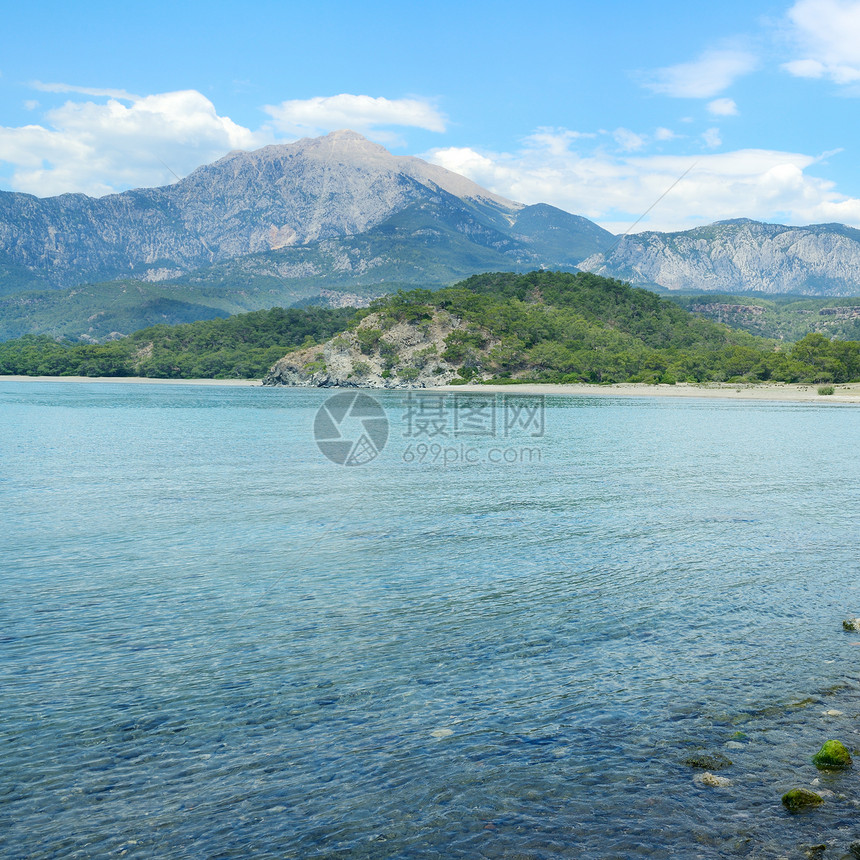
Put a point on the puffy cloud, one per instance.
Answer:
(556, 140)
(628, 141)
(723, 107)
(827, 35)
(483, 169)
(125, 141)
(615, 189)
(311, 117)
(711, 137)
(103, 140)
(805, 68)
(706, 77)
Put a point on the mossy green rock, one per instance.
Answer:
(708, 761)
(832, 754)
(799, 799)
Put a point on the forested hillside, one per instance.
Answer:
(243, 346)
(781, 317)
(542, 326)
(555, 327)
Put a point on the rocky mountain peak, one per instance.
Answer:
(275, 197)
(738, 255)
(344, 137)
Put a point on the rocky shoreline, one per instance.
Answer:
(378, 353)
(787, 392)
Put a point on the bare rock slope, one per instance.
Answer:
(377, 354)
(247, 202)
(316, 197)
(739, 256)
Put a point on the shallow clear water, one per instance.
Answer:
(216, 642)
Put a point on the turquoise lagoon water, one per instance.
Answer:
(214, 642)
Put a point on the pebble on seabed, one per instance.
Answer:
(714, 781)
(708, 761)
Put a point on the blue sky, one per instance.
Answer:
(600, 110)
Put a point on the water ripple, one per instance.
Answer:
(214, 643)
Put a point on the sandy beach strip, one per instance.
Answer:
(134, 380)
(795, 393)
(784, 391)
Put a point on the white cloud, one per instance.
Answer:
(556, 140)
(102, 140)
(100, 147)
(665, 134)
(711, 137)
(805, 68)
(723, 107)
(312, 117)
(616, 189)
(483, 169)
(704, 78)
(628, 141)
(827, 35)
(97, 92)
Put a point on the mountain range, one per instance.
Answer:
(338, 220)
(296, 210)
(739, 256)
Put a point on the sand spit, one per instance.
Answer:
(848, 393)
(797, 393)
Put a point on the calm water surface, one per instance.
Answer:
(216, 643)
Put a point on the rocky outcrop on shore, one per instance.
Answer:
(378, 353)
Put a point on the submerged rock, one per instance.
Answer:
(799, 799)
(832, 754)
(707, 778)
(851, 624)
(708, 761)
